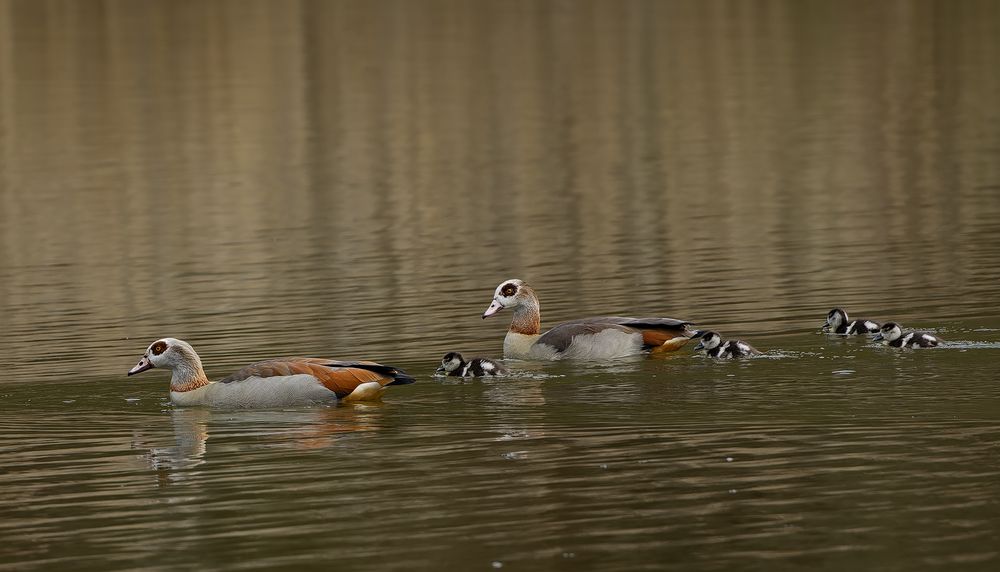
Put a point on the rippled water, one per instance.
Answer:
(353, 179)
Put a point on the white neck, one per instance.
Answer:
(188, 374)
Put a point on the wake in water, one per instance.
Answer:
(969, 345)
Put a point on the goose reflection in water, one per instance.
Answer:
(173, 463)
(305, 429)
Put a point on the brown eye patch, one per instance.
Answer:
(508, 290)
(159, 347)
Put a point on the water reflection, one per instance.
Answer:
(173, 463)
(729, 153)
(305, 429)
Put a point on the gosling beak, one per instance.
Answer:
(700, 346)
(142, 366)
(495, 307)
(826, 327)
(878, 337)
(440, 369)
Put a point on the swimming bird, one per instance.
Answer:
(596, 338)
(713, 345)
(453, 364)
(272, 383)
(892, 335)
(837, 322)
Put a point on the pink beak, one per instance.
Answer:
(142, 366)
(495, 307)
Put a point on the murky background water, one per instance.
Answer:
(353, 179)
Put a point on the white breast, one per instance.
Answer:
(278, 391)
(519, 346)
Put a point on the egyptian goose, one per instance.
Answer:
(454, 365)
(272, 383)
(712, 344)
(837, 322)
(595, 338)
(892, 335)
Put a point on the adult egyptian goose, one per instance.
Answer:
(272, 383)
(597, 338)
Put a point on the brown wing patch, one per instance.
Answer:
(339, 377)
(273, 368)
(656, 337)
(344, 380)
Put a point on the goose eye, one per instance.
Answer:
(158, 348)
(508, 290)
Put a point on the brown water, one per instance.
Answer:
(353, 179)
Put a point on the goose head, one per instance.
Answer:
(511, 294)
(170, 353)
(889, 332)
(451, 362)
(709, 340)
(834, 319)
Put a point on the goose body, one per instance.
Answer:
(453, 364)
(712, 344)
(892, 335)
(273, 383)
(837, 322)
(603, 337)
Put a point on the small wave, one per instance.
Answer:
(970, 345)
(786, 354)
(511, 375)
